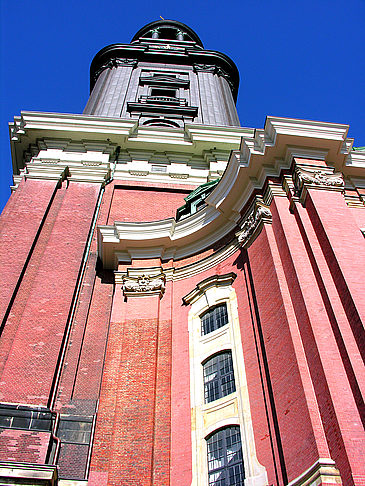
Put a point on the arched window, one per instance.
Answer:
(158, 122)
(214, 318)
(218, 376)
(225, 464)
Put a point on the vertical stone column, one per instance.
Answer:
(213, 111)
(109, 93)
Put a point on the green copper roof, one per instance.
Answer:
(201, 189)
(195, 200)
(358, 149)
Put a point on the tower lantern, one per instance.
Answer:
(165, 77)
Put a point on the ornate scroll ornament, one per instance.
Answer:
(205, 68)
(144, 285)
(115, 62)
(252, 223)
(317, 178)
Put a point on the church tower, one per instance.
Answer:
(180, 302)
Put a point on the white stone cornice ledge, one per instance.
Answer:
(304, 128)
(268, 154)
(313, 137)
(323, 471)
(59, 122)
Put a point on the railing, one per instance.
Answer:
(164, 100)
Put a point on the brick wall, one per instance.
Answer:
(144, 204)
(24, 446)
(19, 225)
(133, 392)
(33, 334)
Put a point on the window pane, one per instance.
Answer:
(214, 318)
(225, 465)
(218, 377)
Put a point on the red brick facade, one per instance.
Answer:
(127, 359)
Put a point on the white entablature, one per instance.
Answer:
(87, 145)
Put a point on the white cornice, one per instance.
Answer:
(267, 154)
(68, 123)
(255, 155)
(31, 128)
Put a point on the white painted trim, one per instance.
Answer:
(16, 471)
(268, 153)
(233, 409)
(323, 471)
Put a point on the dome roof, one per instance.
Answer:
(166, 27)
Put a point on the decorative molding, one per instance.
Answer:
(143, 285)
(176, 175)
(138, 172)
(177, 273)
(213, 69)
(47, 161)
(114, 63)
(323, 471)
(163, 79)
(252, 223)
(221, 72)
(214, 281)
(205, 68)
(275, 189)
(78, 171)
(17, 180)
(91, 163)
(316, 179)
(304, 153)
(353, 199)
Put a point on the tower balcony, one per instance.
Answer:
(163, 100)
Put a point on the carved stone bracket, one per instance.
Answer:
(144, 285)
(317, 178)
(252, 223)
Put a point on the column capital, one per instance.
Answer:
(252, 222)
(316, 178)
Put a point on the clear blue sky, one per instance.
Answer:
(301, 59)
